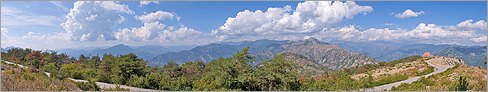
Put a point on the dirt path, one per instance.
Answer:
(108, 85)
(438, 69)
(100, 84)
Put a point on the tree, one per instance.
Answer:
(34, 59)
(105, 68)
(173, 69)
(130, 65)
(82, 58)
(94, 61)
(462, 84)
(277, 74)
(226, 73)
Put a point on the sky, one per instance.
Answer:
(69, 24)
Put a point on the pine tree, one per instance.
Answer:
(462, 84)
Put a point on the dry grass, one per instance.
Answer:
(406, 68)
(16, 79)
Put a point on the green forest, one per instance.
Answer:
(232, 73)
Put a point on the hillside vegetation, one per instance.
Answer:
(282, 72)
(449, 80)
(18, 79)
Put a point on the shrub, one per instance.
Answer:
(88, 86)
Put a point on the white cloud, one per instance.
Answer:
(142, 3)
(4, 37)
(148, 31)
(423, 33)
(15, 17)
(156, 16)
(309, 16)
(94, 20)
(470, 24)
(4, 32)
(479, 39)
(409, 13)
(156, 32)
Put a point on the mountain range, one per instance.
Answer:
(471, 55)
(326, 55)
(146, 52)
(333, 54)
(389, 51)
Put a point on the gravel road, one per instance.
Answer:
(438, 69)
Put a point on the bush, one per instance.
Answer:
(88, 86)
(429, 69)
(462, 84)
(389, 79)
(117, 88)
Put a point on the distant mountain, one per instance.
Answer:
(146, 52)
(471, 55)
(389, 51)
(329, 56)
(217, 50)
(304, 65)
(325, 55)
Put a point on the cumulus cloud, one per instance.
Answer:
(309, 16)
(479, 39)
(4, 35)
(94, 20)
(154, 31)
(156, 16)
(423, 33)
(142, 3)
(470, 24)
(148, 31)
(409, 13)
(4, 32)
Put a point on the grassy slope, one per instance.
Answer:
(17, 79)
(446, 80)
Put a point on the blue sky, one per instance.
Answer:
(44, 25)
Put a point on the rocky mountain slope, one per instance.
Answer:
(471, 55)
(389, 51)
(325, 55)
(260, 49)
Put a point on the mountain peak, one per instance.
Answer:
(120, 45)
(312, 40)
(308, 40)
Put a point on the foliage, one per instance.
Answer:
(117, 88)
(277, 74)
(88, 86)
(429, 69)
(16, 79)
(231, 73)
(462, 84)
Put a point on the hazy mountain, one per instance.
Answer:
(389, 51)
(471, 55)
(326, 55)
(329, 56)
(304, 65)
(216, 50)
(146, 52)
